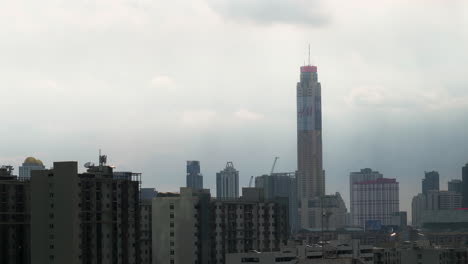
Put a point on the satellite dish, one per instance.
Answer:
(89, 165)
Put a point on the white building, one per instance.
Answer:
(374, 201)
(227, 182)
(30, 164)
(366, 174)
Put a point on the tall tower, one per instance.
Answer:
(310, 177)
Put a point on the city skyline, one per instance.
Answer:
(153, 92)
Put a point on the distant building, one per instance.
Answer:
(430, 181)
(375, 201)
(418, 205)
(434, 201)
(327, 212)
(193, 228)
(400, 219)
(227, 183)
(366, 174)
(146, 217)
(194, 177)
(281, 185)
(455, 186)
(30, 164)
(465, 186)
(15, 226)
(88, 217)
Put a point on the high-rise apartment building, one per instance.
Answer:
(30, 164)
(455, 186)
(146, 219)
(310, 177)
(227, 182)
(465, 185)
(375, 201)
(194, 177)
(284, 185)
(193, 228)
(14, 218)
(363, 175)
(90, 217)
(430, 181)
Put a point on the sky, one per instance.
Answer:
(155, 83)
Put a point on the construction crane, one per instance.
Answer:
(274, 164)
(250, 182)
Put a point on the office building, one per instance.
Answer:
(434, 201)
(310, 174)
(418, 205)
(30, 164)
(146, 219)
(400, 219)
(430, 181)
(374, 201)
(465, 186)
(227, 183)
(363, 175)
(281, 185)
(88, 217)
(194, 177)
(455, 186)
(14, 218)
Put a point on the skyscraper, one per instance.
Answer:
(366, 174)
(194, 178)
(455, 186)
(310, 177)
(430, 181)
(227, 182)
(465, 186)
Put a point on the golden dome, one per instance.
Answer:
(32, 160)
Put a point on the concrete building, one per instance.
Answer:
(181, 234)
(420, 252)
(455, 186)
(344, 250)
(14, 218)
(281, 185)
(430, 181)
(146, 220)
(465, 186)
(444, 220)
(363, 175)
(433, 201)
(192, 228)
(30, 164)
(227, 182)
(375, 201)
(326, 213)
(194, 177)
(86, 217)
(400, 219)
(310, 174)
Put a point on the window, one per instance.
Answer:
(171, 215)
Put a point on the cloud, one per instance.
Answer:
(162, 82)
(303, 12)
(245, 114)
(198, 117)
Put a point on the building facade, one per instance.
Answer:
(310, 174)
(363, 175)
(455, 186)
(194, 178)
(327, 213)
(433, 201)
(465, 186)
(14, 218)
(281, 185)
(88, 217)
(146, 220)
(430, 181)
(375, 200)
(227, 182)
(30, 164)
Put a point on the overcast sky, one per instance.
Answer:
(156, 83)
